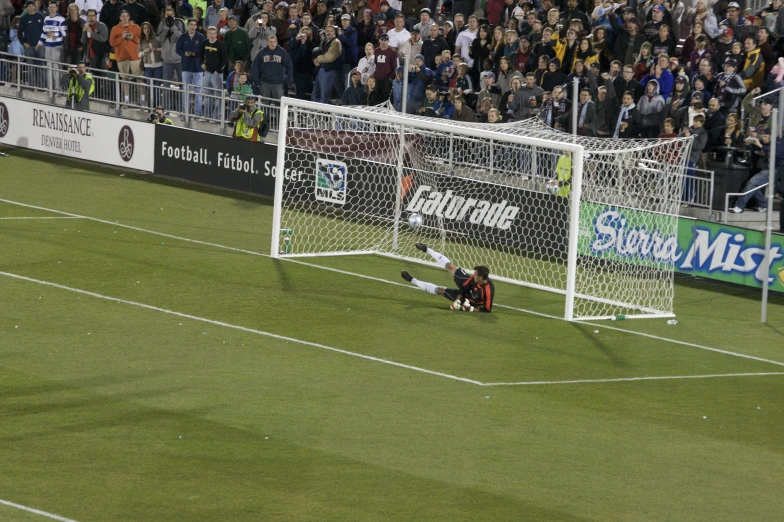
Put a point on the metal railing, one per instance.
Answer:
(698, 187)
(728, 194)
(188, 101)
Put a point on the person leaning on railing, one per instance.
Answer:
(81, 86)
(250, 124)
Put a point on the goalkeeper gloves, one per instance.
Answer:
(467, 306)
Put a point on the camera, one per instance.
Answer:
(72, 71)
(243, 107)
(153, 117)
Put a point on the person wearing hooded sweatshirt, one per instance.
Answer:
(697, 146)
(355, 93)
(602, 121)
(555, 107)
(651, 107)
(554, 76)
(419, 77)
(661, 73)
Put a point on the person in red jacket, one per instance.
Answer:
(386, 63)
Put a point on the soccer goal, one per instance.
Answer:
(604, 237)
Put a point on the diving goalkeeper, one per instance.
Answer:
(474, 292)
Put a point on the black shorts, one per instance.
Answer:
(460, 277)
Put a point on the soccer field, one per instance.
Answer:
(156, 364)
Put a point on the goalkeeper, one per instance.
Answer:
(474, 292)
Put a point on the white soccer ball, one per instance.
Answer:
(415, 220)
(552, 187)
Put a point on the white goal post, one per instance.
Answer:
(348, 177)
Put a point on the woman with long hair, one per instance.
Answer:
(506, 72)
(511, 45)
(480, 47)
(497, 46)
(367, 64)
(580, 74)
(72, 43)
(150, 54)
(602, 48)
(690, 43)
(586, 53)
(374, 95)
(365, 28)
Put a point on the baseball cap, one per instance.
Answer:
(767, 100)
(731, 61)
(490, 75)
(734, 5)
(728, 31)
(235, 18)
(250, 98)
(414, 30)
(346, 17)
(384, 36)
(680, 79)
(419, 57)
(659, 8)
(381, 18)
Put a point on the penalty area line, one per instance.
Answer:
(629, 379)
(378, 279)
(241, 328)
(35, 511)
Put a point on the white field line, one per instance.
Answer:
(625, 379)
(36, 511)
(378, 279)
(237, 327)
(40, 217)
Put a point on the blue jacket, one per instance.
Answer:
(30, 28)
(185, 44)
(666, 83)
(418, 82)
(350, 49)
(272, 67)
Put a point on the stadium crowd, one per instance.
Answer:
(648, 69)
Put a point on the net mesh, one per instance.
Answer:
(352, 182)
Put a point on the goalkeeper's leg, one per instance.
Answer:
(441, 259)
(430, 288)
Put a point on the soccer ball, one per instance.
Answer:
(552, 188)
(415, 220)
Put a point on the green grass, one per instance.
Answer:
(95, 394)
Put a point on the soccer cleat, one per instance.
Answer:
(421, 246)
(736, 210)
(406, 276)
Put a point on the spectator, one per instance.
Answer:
(110, 13)
(137, 11)
(272, 70)
(489, 91)
(411, 47)
(651, 29)
(700, 14)
(84, 7)
(301, 53)
(250, 123)
(242, 88)
(355, 93)
(81, 86)
(234, 76)
(211, 17)
(697, 146)
(464, 40)
(150, 53)
(214, 58)
(761, 178)
(628, 123)
(399, 35)
(661, 74)
(554, 107)
(753, 72)
(31, 27)
(554, 76)
(759, 116)
(125, 39)
(433, 46)
(169, 31)
(690, 44)
(664, 42)
(652, 111)
(730, 87)
(52, 40)
(480, 47)
(237, 42)
(425, 21)
(627, 83)
(95, 37)
(261, 30)
(72, 43)
(330, 64)
(723, 45)
(348, 41)
(449, 33)
(766, 49)
(419, 77)
(365, 28)
(701, 52)
(367, 64)
(462, 111)
(525, 99)
(386, 63)
(714, 124)
(374, 94)
(606, 105)
(189, 49)
(706, 74)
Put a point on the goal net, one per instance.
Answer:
(603, 237)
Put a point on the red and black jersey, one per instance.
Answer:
(480, 296)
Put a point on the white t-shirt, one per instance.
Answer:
(463, 41)
(396, 39)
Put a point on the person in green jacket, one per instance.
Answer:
(237, 41)
(81, 86)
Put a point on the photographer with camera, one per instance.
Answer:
(250, 124)
(81, 85)
(158, 116)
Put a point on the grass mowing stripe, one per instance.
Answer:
(627, 379)
(242, 328)
(35, 511)
(378, 279)
(40, 217)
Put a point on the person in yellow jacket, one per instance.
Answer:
(250, 124)
(81, 85)
(561, 185)
(753, 72)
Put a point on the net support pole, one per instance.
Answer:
(781, 112)
(574, 232)
(575, 103)
(399, 188)
(283, 124)
(769, 222)
(404, 101)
